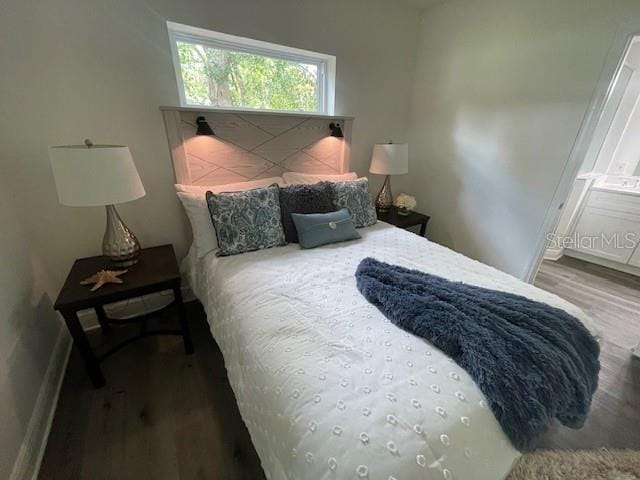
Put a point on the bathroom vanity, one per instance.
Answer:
(607, 227)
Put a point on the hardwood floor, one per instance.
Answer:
(164, 415)
(612, 300)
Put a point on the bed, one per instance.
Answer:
(327, 386)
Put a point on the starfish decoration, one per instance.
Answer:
(103, 277)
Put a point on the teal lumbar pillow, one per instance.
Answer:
(315, 229)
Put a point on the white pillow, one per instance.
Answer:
(293, 178)
(204, 235)
(231, 187)
(195, 205)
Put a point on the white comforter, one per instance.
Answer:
(328, 388)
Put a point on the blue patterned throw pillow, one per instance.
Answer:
(354, 196)
(246, 221)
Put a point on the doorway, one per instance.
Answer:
(592, 255)
(600, 221)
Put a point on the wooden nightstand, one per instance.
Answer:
(156, 271)
(405, 221)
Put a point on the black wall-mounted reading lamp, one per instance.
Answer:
(203, 127)
(336, 130)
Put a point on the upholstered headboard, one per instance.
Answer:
(249, 146)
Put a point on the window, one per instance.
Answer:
(227, 72)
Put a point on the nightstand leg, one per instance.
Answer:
(423, 229)
(104, 322)
(184, 325)
(82, 344)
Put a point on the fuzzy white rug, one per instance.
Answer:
(600, 464)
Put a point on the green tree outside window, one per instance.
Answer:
(221, 78)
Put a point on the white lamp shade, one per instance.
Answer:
(95, 176)
(390, 159)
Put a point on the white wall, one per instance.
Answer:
(501, 90)
(617, 107)
(501, 87)
(71, 69)
(623, 136)
(28, 332)
(569, 216)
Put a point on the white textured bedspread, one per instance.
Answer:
(328, 388)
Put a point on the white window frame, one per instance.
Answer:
(326, 63)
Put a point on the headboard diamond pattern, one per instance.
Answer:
(249, 146)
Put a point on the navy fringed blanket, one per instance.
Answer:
(533, 362)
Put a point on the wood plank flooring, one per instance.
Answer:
(164, 415)
(612, 300)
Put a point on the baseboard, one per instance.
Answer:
(27, 464)
(553, 254)
(621, 267)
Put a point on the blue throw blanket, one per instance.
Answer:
(533, 362)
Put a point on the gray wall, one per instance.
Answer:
(72, 69)
(76, 68)
(501, 90)
(28, 331)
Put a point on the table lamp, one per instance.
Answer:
(100, 175)
(388, 159)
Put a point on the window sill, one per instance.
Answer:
(255, 112)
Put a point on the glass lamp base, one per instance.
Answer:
(119, 243)
(384, 200)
